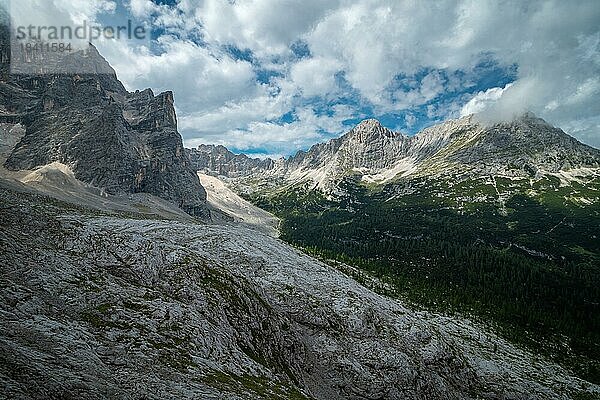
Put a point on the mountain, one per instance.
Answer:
(102, 297)
(500, 222)
(525, 147)
(218, 160)
(118, 141)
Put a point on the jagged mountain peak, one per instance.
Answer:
(78, 119)
(457, 147)
(527, 142)
(217, 159)
(369, 129)
(369, 124)
(217, 148)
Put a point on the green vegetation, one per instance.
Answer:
(260, 386)
(527, 259)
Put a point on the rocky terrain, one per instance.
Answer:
(220, 161)
(98, 305)
(117, 141)
(524, 148)
(225, 202)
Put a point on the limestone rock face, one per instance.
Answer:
(523, 147)
(527, 143)
(99, 306)
(218, 160)
(118, 141)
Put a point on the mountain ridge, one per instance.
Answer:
(522, 147)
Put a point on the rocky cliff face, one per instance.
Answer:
(525, 147)
(368, 145)
(527, 144)
(218, 160)
(118, 141)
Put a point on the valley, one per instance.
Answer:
(511, 240)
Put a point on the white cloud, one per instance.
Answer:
(555, 46)
(266, 27)
(143, 8)
(200, 78)
(378, 40)
(80, 10)
(482, 100)
(409, 120)
(57, 13)
(315, 76)
(233, 115)
(279, 138)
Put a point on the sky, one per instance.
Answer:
(270, 77)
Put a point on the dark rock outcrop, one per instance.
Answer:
(119, 141)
